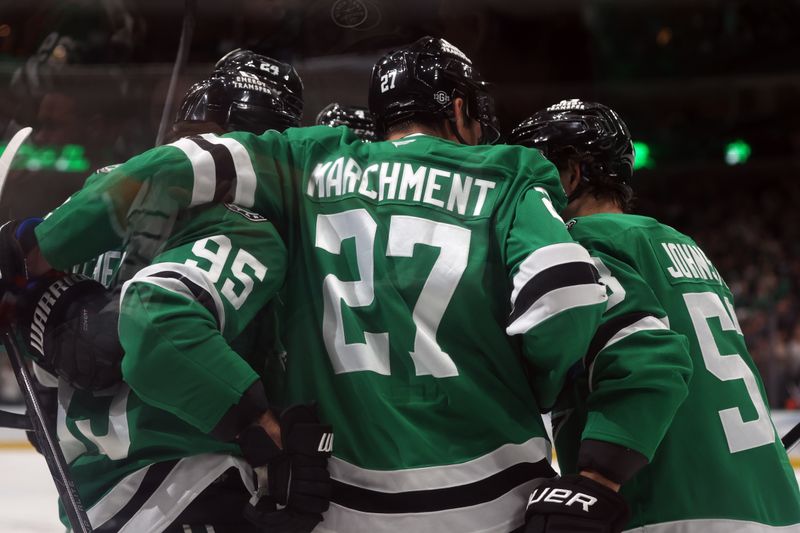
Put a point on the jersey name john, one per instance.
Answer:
(687, 261)
(395, 181)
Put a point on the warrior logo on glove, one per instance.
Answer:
(45, 305)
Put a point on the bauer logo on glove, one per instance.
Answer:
(565, 496)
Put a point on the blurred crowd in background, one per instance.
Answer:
(749, 227)
(91, 76)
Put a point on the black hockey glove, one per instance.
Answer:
(575, 503)
(298, 485)
(16, 240)
(69, 323)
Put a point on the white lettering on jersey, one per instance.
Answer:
(689, 261)
(393, 181)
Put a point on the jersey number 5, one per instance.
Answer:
(404, 233)
(740, 435)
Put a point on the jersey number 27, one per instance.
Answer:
(404, 232)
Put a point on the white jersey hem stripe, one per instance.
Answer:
(500, 515)
(713, 525)
(184, 483)
(115, 499)
(440, 477)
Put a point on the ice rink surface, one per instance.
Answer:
(28, 497)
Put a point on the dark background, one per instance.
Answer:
(689, 77)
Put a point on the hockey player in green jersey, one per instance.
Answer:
(719, 466)
(157, 453)
(434, 301)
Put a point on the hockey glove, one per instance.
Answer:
(16, 240)
(298, 485)
(69, 323)
(575, 503)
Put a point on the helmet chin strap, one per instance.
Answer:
(454, 129)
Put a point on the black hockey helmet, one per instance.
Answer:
(246, 92)
(358, 119)
(421, 80)
(592, 133)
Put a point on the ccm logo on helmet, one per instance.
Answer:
(325, 443)
(565, 496)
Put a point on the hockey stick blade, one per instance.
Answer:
(47, 442)
(7, 157)
(15, 421)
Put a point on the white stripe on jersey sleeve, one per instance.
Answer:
(196, 275)
(555, 302)
(203, 169)
(644, 324)
(544, 258)
(245, 173)
(648, 323)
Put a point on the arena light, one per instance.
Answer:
(737, 152)
(643, 158)
(66, 158)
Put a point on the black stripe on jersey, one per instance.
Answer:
(155, 475)
(202, 296)
(225, 168)
(425, 501)
(549, 279)
(606, 331)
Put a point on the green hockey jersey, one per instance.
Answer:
(433, 304)
(141, 451)
(719, 466)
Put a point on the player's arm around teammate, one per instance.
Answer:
(177, 318)
(614, 413)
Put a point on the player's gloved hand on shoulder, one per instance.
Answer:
(298, 485)
(575, 503)
(69, 323)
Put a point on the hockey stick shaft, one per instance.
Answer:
(187, 31)
(47, 442)
(791, 438)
